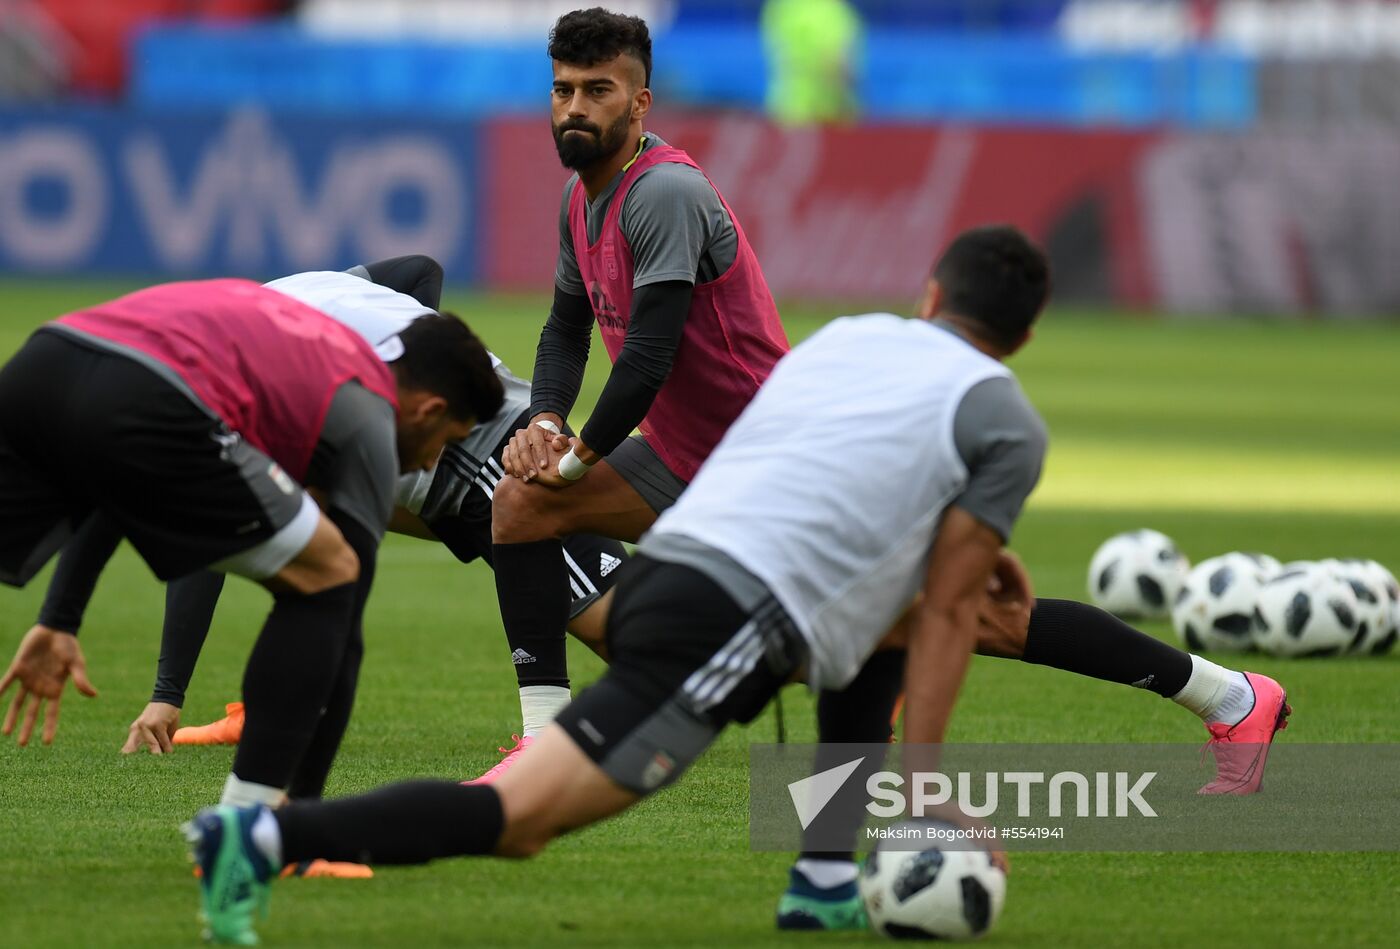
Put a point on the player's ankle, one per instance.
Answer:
(540, 705)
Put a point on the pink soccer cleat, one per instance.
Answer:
(1241, 750)
(511, 754)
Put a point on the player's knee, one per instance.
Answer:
(336, 566)
(520, 513)
(525, 836)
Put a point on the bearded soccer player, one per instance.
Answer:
(753, 579)
(188, 418)
(650, 251)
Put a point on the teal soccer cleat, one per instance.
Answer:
(806, 906)
(234, 876)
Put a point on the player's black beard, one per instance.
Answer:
(581, 152)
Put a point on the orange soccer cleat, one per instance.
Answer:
(226, 731)
(327, 869)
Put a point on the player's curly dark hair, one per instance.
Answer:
(996, 276)
(593, 36)
(443, 356)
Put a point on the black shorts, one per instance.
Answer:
(685, 661)
(83, 428)
(592, 561)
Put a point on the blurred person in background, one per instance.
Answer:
(34, 52)
(812, 48)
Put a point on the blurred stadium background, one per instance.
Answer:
(1181, 156)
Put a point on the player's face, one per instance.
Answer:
(593, 109)
(424, 427)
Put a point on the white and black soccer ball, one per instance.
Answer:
(1306, 611)
(1378, 604)
(930, 893)
(1214, 612)
(1269, 567)
(1138, 573)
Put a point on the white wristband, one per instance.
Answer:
(548, 426)
(571, 467)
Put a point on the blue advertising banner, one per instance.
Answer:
(237, 193)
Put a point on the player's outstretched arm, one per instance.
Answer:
(944, 629)
(41, 667)
(189, 611)
(74, 579)
(417, 275)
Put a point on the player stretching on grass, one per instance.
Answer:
(183, 417)
(1242, 711)
(650, 251)
(759, 575)
(451, 504)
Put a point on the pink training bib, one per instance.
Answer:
(266, 364)
(732, 336)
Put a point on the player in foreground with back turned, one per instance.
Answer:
(191, 419)
(761, 574)
(1242, 711)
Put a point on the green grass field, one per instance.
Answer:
(1283, 438)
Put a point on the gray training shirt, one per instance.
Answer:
(674, 222)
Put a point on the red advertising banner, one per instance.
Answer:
(856, 213)
(1253, 222)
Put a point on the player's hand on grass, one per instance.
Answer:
(153, 729)
(528, 452)
(45, 659)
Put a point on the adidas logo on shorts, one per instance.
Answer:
(520, 657)
(608, 564)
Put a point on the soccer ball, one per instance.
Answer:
(1214, 611)
(930, 893)
(1306, 611)
(1378, 604)
(1268, 566)
(1138, 573)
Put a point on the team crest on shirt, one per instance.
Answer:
(657, 770)
(610, 266)
(280, 478)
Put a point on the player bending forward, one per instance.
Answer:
(782, 561)
(193, 417)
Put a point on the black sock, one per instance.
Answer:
(410, 822)
(309, 781)
(1081, 638)
(860, 713)
(532, 587)
(288, 679)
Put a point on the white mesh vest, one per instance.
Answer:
(830, 486)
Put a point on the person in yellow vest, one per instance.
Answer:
(813, 50)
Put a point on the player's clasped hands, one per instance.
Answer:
(45, 659)
(534, 453)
